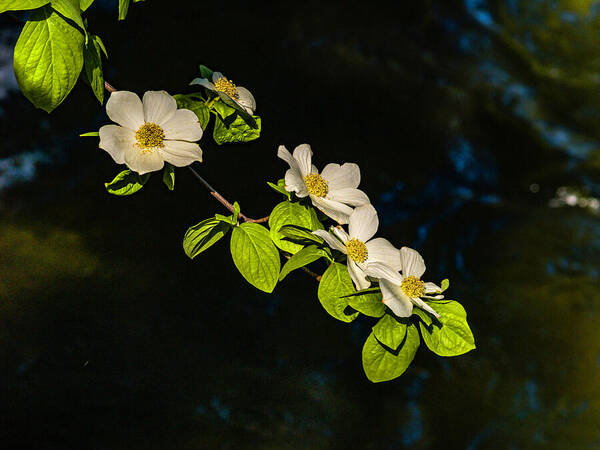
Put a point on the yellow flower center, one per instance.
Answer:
(357, 250)
(316, 185)
(149, 136)
(413, 287)
(226, 86)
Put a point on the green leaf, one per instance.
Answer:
(205, 72)
(123, 8)
(227, 219)
(445, 284)
(21, 5)
(101, 44)
(169, 176)
(48, 58)
(280, 187)
(302, 258)
(85, 4)
(389, 332)
(236, 211)
(236, 131)
(255, 256)
(91, 133)
(449, 335)
(334, 285)
(126, 183)
(69, 9)
(198, 107)
(289, 213)
(203, 235)
(426, 318)
(367, 302)
(93, 68)
(301, 236)
(382, 365)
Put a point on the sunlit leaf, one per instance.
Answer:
(21, 5)
(289, 213)
(335, 284)
(70, 9)
(255, 256)
(126, 183)
(169, 176)
(93, 67)
(449, 335)
(196, 104)
(203, 235)
(48, 58)
(389, 331)
(382, 365)
(302, 258)
(238, 130)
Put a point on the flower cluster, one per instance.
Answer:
(334, 192)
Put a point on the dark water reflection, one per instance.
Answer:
(475, 126)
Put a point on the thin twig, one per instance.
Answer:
(316, 276)
(210, 189)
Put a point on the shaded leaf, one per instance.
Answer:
(126, 183)
(203, 235)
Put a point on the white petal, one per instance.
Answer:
(303, 155)
(412, 262)
(126, 109)
(339, 177)
(295, 183)
(430, 288)
(363, 223)
(358, 276)
(183, 126)
(336, 210)
(330, 240)
(203, 82)
(395, 299)
(285, 154)
(421, 304)
(115, 140)
(145, 161)
(382, 271)
(217, 76)
(381, 250)
(341, 234)
(350, 196)
(159, 107)
(246, 100)
(181, 153)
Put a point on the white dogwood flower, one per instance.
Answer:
(333, 191)
(400, 297)
(227, 90)
(376, 258)
(150, 132)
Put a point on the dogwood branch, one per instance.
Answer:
(211, 190)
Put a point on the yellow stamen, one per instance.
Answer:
(413, 287)
(149, 135)
(316, 185)
(226, 86)
(357, 250)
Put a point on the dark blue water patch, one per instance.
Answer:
(480, 12)
(21, 168)
(412, 431)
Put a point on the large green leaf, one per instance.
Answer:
(70, 9)
(301, 259)
(255, 256)
(334, 285)
(390, 332)
(123, 8)
(21, 5)
(382, 365)
(369, 303)
(48, 58)
(126, 183)
(194, 103)
(450, 335)
(203, 235)
(289, 213)
(93, 67)
(238, 130)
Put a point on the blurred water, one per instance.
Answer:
(475, 126)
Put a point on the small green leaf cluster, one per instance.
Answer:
(55, 48)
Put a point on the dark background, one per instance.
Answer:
(475, 125)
